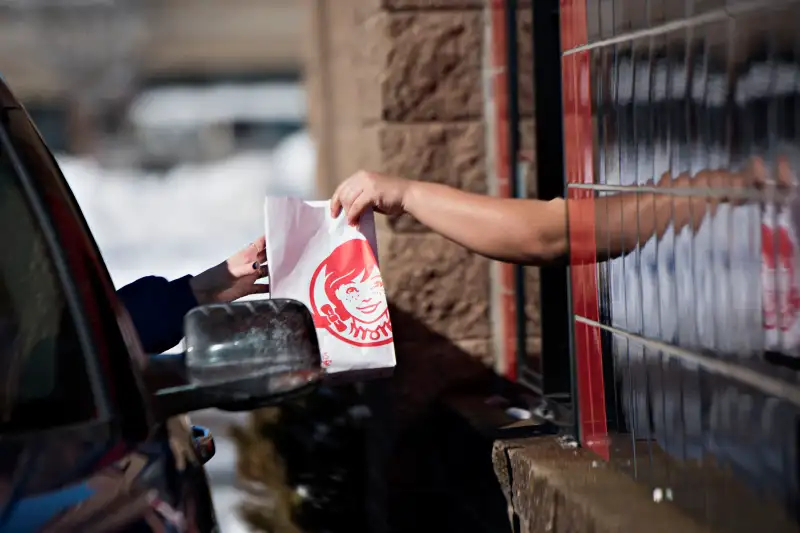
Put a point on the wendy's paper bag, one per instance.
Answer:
(332, 268)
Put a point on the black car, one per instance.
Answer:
(93, 432)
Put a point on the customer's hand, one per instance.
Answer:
(385, 194)
(233, 278)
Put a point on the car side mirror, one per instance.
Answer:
(238, 357)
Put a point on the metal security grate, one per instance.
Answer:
(682, 149)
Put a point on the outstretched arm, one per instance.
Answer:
(537, 232)
(518, 231)
(157, 306)
(624, 220)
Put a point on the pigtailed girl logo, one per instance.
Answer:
(348, 299)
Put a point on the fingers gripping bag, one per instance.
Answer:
(332, 268)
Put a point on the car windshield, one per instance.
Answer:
(43, 378)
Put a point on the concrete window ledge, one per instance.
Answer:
(552, 489)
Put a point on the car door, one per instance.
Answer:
(79, 448)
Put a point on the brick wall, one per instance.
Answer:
(397, 86)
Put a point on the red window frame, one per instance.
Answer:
(579, 163)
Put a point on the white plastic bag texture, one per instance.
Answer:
(332, 268)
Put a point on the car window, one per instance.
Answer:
(43, 376)
(114, 361)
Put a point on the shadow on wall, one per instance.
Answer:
(379, 456)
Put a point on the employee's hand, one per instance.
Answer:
(234, 278)
(385, 194)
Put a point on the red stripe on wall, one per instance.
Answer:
(503, 176)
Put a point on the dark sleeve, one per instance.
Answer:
(157, 307)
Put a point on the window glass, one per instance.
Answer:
(43, 377)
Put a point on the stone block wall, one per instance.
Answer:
(397, 86)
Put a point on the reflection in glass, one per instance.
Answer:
(697, 229)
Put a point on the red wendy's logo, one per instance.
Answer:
(780, 292)
(347, 296)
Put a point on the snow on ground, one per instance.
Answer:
(190, 218)
(192, 107)
(181, 223)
